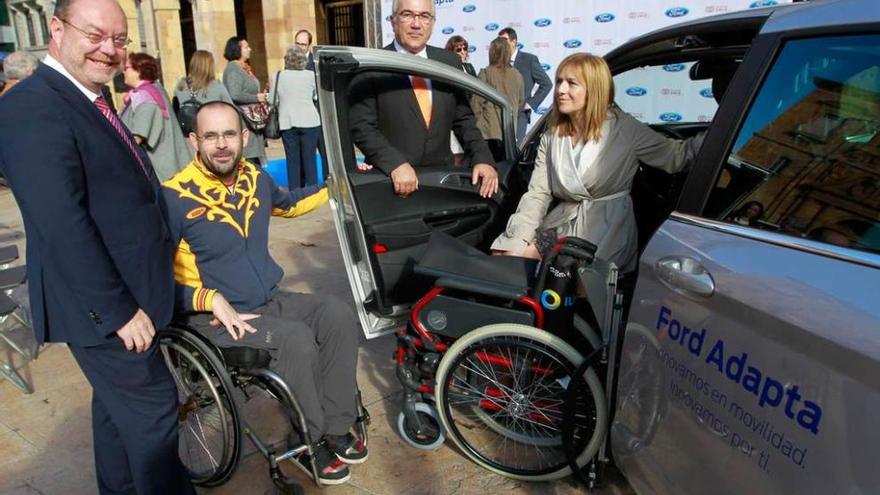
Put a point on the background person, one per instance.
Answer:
(146, 111)
(244, 89)
(201, 83)
(313, 339)
(404, 122)
(459, 46)
(17, 66)
(507, 80)
(298, 118)
(533, 75)
(586, 160)
(748, 214)
(98, 252)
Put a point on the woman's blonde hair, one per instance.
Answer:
(593, 73)
(201, 70)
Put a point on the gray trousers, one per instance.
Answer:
(313, 341)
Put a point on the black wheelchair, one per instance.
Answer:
(510, 364)
(212, 383)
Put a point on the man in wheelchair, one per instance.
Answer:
(219, 208)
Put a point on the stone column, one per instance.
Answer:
(166, 16)
(131, 17)
(282, 19)
(214, 22)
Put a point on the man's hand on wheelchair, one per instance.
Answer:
(235, 323)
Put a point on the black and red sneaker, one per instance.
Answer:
(347, 448)
(331, 470)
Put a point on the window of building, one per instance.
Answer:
(807, 160)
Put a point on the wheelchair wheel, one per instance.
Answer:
(432, 438)
(208, 421)
(500, 394)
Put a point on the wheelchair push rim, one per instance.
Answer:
(500, 394)
(208, 422)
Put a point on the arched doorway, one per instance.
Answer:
(249, 24)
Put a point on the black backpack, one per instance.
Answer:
(186, 114)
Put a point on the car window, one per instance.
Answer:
(806, 161)
(664, 94)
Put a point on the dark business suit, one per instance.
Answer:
(387, 124)
(97, 250)
(469, 68)
(532, 73)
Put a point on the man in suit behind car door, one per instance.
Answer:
(98, 250)
(402, 123)
(533, 74)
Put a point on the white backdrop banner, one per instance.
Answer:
(554, 29)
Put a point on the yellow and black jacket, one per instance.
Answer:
(222, 234)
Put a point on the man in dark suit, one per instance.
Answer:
(98, 250)
(533, 74)
(404, 122)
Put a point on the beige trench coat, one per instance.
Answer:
(601, 211)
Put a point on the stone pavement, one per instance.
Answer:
(45, 437)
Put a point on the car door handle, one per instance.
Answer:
(685, 274)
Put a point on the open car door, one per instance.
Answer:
(380, 233)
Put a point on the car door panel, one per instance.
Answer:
(383, 234)
(763, 376)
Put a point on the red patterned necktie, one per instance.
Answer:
(114, 121)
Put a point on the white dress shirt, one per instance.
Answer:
(423, 54)
(51, 62)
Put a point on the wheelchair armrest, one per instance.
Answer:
(12, 277)
(8, 254)
(247, 358)
(482, 287)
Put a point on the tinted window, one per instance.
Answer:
(807, 160)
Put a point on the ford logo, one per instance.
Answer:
(572, 43)
(472, 49)
(543, 22)
(706, 93)
(448, 30)
(491, 26)
(677, 12)
(636, 91)
(673, 67)
(763, 3)
(542, 110)
(606, 17)
(469, 8)
(546, 67)
(670, 117)
(519, 46)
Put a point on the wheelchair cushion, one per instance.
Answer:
(246, 357)
(449, 258)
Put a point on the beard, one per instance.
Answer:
(219, 162)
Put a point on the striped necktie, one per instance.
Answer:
(114, 121)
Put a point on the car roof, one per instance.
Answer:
(824, 13)
(735, 31)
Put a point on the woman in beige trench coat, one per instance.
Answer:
(587, 158)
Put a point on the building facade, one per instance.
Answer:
(172, 30)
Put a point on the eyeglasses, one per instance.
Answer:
(214, 137)
(303, 45)
(119, 41)
(410, 16)
(463, 48)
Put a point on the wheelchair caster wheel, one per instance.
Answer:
(431, 437)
